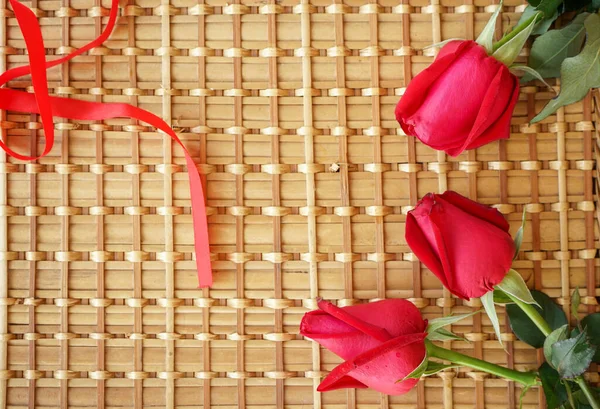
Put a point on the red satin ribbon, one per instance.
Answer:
(40, 102)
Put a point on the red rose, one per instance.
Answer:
(382, 342)
(464, 100)
(465, 244)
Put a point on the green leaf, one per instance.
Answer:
(592, 324)
(486, 38)
(418, 371)
(595, 5)
(578, 74)
(575, 301)
(509, 51)
(542, 25)
(487, 300)
(525, 329)
(551, 49)
(581, 401)
(519, 235)
(559, 334)
(554, 390)
(576, 5)
(548, 7)
(442, 334)
(572, 356)
(435, 367)
(513, 284)
(437, 323)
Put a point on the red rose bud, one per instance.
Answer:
(465, 244)
(382, 342)
(463, 100)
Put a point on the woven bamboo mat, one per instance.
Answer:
(288, 108)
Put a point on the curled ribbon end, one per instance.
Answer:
(48, 106)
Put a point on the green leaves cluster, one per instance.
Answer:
(580, 73)
(571, 52)
(568, 352)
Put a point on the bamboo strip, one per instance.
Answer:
(592, 304)
(33, 373)
(101, 372)
(136, 255)
(308, 131)
(563, 206)
(205, 302)
(278, 335)
(4, 331)
(170, 374)
(64, 302)
(479, 378)
(239, 131)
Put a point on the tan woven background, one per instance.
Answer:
(288, 109)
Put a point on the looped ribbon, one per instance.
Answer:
(40, 102)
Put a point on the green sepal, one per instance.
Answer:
(487, 300)
(530, 72)
(437, 323)
(486, 38)
(441, 43)
(418, 371)
(508, 52)
(501, 298)
(435, 367)
(519, 235)
(575, 301)
(442, 334)
(514, 285)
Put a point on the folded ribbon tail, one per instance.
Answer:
(40, 102)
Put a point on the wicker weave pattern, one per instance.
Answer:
(288, 107)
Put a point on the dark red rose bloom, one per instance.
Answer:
(464, 100)
(465, 244)
(382, 342)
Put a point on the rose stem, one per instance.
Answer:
(543, 326)
(533, 315)
(587, 392)
(525, 378)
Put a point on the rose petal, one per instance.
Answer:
(501, 128)
(345, 382)
(485, 213)
(380, 334)
(495, 103)
(421, 247)
(479, 253)
(417, 91)
(380, 368)
(396, 316)
(446, 116)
